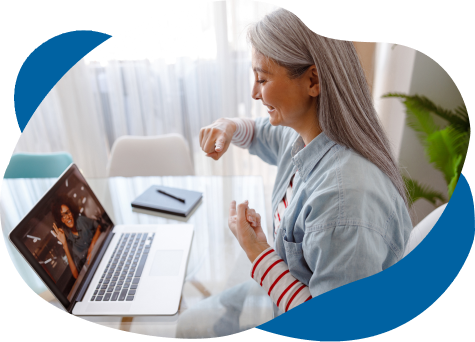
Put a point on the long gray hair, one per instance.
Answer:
(345, 109)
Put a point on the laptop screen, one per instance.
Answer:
(63, 233)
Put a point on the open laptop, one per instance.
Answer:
(94, 267)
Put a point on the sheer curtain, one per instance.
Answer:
(394, 65)
(176, 90)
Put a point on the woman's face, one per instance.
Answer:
(67, 216)
(290, 102)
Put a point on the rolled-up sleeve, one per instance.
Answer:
(267, 141)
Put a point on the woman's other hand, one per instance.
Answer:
(215, 138)
(251, 237)
(253, 218)
(59, 234)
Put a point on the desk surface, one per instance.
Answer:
(218, 298)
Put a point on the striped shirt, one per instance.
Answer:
(282, 206)
(269, 270)
(244, 132)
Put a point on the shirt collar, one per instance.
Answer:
(306, 158)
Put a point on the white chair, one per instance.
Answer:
(420, 231)
(163, 155)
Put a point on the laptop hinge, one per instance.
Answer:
(90, 274)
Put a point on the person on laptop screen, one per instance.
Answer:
(66, 231)
(78, 234)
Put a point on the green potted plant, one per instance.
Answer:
(445, 147)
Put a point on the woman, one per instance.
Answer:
(78, 234)
(339, 204)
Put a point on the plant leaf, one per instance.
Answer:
(462, 112)
(444, 149)
(416, 191)
(464, 150)
(456, 174)
(418, 118)
(457, 118)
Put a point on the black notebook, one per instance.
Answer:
(152, 199)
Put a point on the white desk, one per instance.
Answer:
(217, 263)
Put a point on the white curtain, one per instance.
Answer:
(178, 82)
(172, 91)
(394, 65)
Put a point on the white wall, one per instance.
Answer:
(431, 80)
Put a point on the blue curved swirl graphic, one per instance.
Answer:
(389, 299)
(365, 308)
(45, 66)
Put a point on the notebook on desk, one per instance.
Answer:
(168, 200)
(94, 267)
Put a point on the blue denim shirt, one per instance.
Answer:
(346, 220)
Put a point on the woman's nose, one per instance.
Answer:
(256, 94)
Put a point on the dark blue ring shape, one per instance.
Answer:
(358, 310)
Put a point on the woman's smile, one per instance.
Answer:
(270, 109)
(290, 102)
(67, 216)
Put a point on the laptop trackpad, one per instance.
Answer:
(166, 263)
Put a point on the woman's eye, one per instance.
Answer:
(260, 81)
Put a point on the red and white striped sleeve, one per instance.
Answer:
(271, 272)
(244, 132)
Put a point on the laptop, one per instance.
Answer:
(94, 267)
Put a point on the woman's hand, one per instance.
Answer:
(60, 234)
(215, 138)
(251, 237)
(62, 238)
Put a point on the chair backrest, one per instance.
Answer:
(420, 231)
(165, 155)
(34, 165)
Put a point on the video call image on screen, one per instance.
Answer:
(67, 233)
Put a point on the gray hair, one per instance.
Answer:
(345, 109)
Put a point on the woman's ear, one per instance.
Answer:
(314, 89)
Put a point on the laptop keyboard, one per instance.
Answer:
(122, 275)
